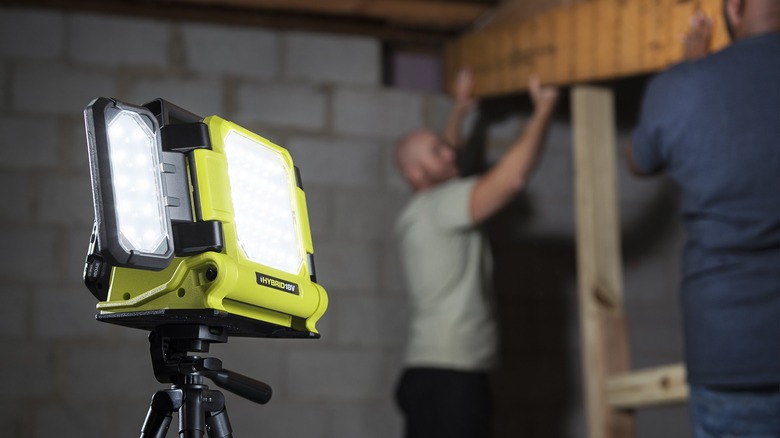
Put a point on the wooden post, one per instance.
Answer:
(603, 328)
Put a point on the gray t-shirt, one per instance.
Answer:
(448, 268)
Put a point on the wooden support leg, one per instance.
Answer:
(603, 327)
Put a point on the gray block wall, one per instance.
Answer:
(319, 96)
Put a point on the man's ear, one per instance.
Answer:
(735, 12)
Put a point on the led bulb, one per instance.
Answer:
(262, 191)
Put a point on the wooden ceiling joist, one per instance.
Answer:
(582, 42)
(428, 13)
(421, 22)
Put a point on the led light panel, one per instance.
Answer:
(137, 184)
(261, 188)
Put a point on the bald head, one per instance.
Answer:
(424, 159)
(746, 18)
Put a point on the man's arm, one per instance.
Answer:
(631, 161)
(464, 102)
(494, 190)
(695, 46)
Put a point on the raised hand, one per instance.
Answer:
(696, 43)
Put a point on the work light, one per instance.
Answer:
(197, 221)
(127, 187)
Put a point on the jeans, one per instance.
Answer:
(743, 413)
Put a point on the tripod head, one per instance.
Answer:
(169, 348)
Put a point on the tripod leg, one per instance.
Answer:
(217, 418)
(219, 425)
(192, 419)
(158, 418)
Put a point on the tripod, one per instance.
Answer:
(200, 409)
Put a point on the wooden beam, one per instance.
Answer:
(282, 19)
(581, 42)
(603, 327)
(429, 13)
(649, 387)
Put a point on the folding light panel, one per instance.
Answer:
(128, 192)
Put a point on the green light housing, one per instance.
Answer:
(197, 221)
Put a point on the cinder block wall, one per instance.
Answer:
(320, 96)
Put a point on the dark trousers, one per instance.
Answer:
(445, 403)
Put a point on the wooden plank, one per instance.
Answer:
(602, 321)
(544, 59)
(427, 12)
(629, 28)
(648, 387)
(283, 20)
(592, 40)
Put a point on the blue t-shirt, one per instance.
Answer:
(714, 127)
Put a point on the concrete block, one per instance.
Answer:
(377, 419)
(329, 58)
(77, 242)
(653, 275)
(65, 200)
(347, 266)
(13, 318)
(109, 372)
(376, 113)
(18, 196)
(506, 130)
(113, 41)
(203, 97)
(127, 416)
(66, 313)
(363, 215)
(336, 162)
(529, 215)
(4, 86)
(319, 203)
(335, 375)
(559, 137)
(553, 178)
(261, 359)
(280, 418)
(31, 257)
(57, 89)
(32, 367)
(370, 321)
(239, 51)
(394, 181)
(440, 107)
(86, 420)
(392, 280)
(31, 33)
(292, 106)
(76, 145)
(667, 421)
(28, 142)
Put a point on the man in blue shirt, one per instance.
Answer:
(713, 125)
